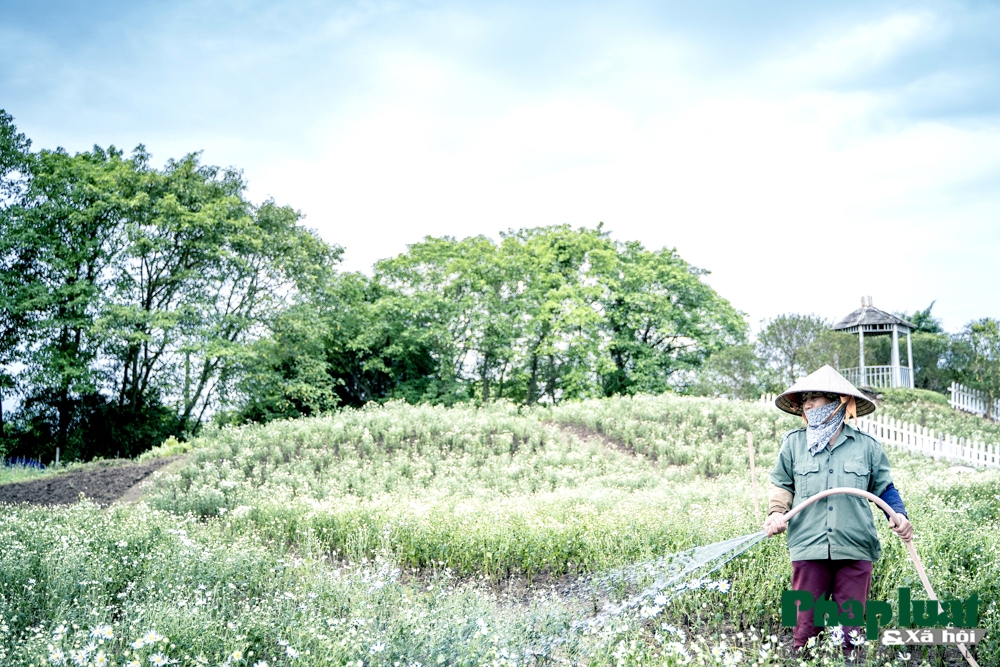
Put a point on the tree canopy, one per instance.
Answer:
(542, 315)
(131, 293)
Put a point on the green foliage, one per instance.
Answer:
(923, 320)
(905, 397)
(979, 365)
(661, 318)
(14, 156)
(15, 473)
(134, 584)
(14, 152)
(930, 360)
(287, 374)
(97, 427)
(348, 341)
(734, 372)
(466, 294)
(792, 346)
(58, 237)
(131, 294)
(169, 447)
(545, 315)
(559, 352)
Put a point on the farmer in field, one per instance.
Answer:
(833, 542)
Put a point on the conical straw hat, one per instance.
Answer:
(828, 381)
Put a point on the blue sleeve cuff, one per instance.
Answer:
(892, 498)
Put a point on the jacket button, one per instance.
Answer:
(831, 508)
(831, 471)
(829, 530)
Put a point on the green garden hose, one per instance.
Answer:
(909, 545)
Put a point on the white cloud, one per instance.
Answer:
(764, 189)
(858, 49)
(780, 154)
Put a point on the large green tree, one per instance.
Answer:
(348, 341)
(14, 157)
(558, 348)
(543, 315)
(463, 295)
(139, 290)
(61, 238)
(660, 317)
(932, 350)
(787, 343)
(978, 362)
(734, 372)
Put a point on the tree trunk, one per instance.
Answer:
(62, 435)
(533, 380)
(551, 382)
(503, 374)
(207, 370)
(486, 378)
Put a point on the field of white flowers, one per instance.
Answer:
(392, 535)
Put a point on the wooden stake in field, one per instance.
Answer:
(753, 476)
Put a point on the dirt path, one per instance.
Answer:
(587, 435)
(102, 484)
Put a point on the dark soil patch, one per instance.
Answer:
(102, 484)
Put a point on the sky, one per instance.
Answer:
(806, 154)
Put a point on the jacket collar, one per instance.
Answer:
(846, 432)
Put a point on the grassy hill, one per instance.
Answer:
(930, 409)
(406, 535)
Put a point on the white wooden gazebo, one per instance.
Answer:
(870, 321)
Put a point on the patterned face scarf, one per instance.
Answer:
(823, 423)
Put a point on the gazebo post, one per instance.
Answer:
(861, 342)
(909, 359)
(895, 356)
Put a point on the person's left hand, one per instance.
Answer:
(903, 527)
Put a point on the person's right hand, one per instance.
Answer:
(775, 524)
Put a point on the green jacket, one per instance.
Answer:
(840, 527)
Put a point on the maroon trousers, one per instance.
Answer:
(843, 579)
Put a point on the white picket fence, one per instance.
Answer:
(922, 440)
(970, 400)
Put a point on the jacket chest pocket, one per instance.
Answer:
(807, 478)
(856, 474)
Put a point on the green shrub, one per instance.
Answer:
(932, 410)
(904, 397)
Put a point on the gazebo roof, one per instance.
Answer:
(873, 321)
